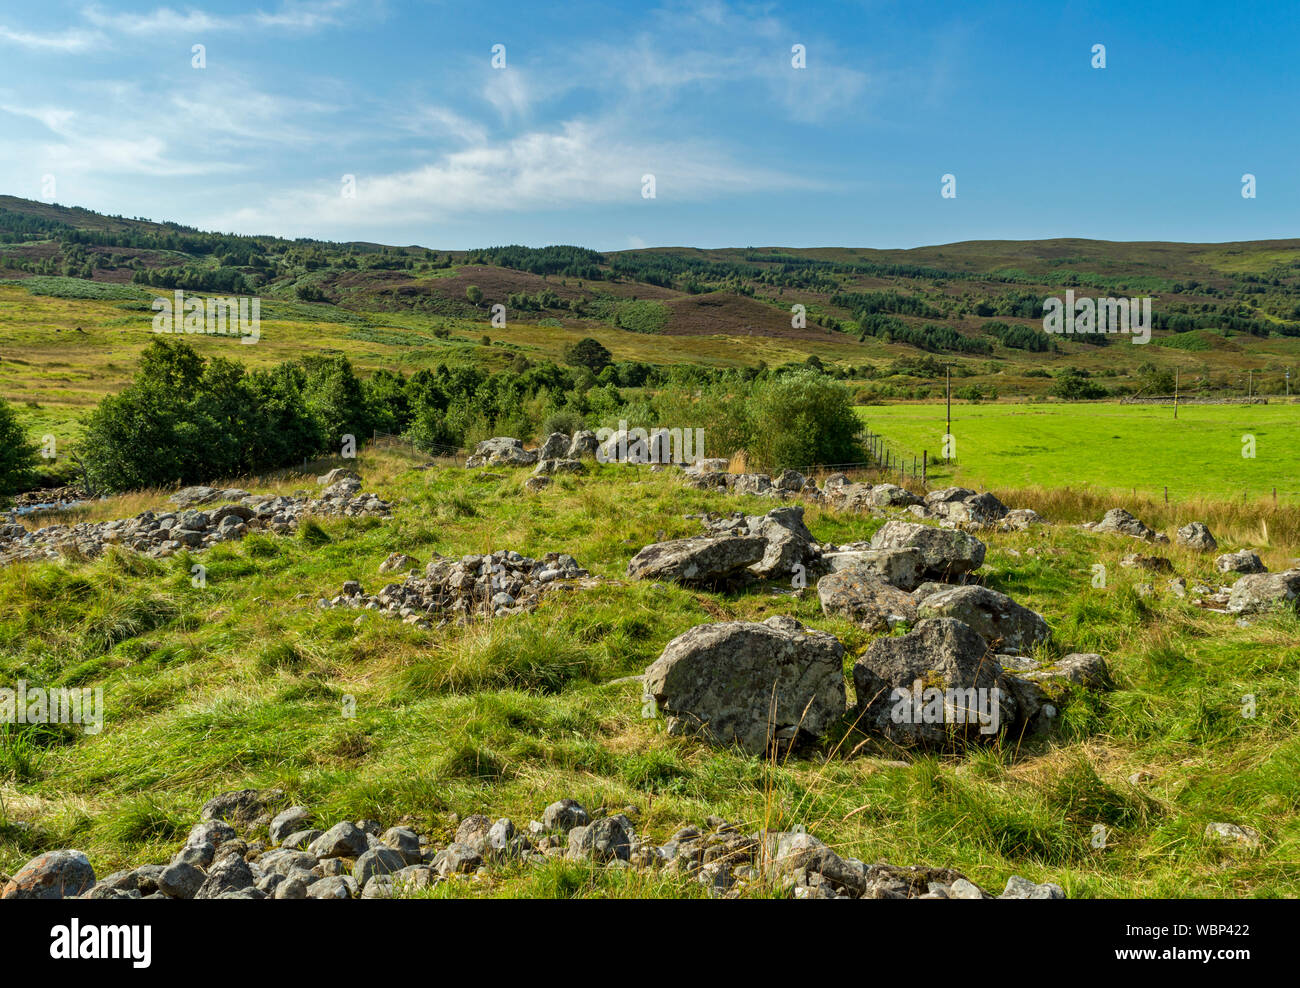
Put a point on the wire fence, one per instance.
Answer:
(435, 451)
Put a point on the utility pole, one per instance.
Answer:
(1288, 382)
(1176, 379)
(1250, 383)
(947, 382)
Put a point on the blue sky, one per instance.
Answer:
(448, 151)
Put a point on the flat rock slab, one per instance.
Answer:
(698, 561)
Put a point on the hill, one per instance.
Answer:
(76, 290)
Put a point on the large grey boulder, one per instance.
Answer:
(501, 451)
(603, 840)
(789, 543)
(230, 874)
(947, 495)
(700, 561)
(753, 685)
(892, 496)
(563, 815)
(937, 686)
(860, 595)
(977, 509)
(289, 822)
(1195, 535)
(556, 447)
(947, 552)
(1257, 592)
(994, 616)
(583, 445)
(1246, 561)
(181, 881)
(377, 861)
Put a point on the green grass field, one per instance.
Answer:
(1105, 447)
(240, 683)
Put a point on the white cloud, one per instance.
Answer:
(66, 41)
(578, 164)
(294, 15)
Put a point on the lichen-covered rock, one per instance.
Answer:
(1246, 561)
(556, 447)
(1257, 592)
(902, 568)
(860, 595)
(947, 552)
(938, 686)
(753, 685)
(700, 561)
(1117, 521)
(1195, 535)
(583, 445)
(995, 617)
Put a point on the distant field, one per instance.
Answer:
(1106, 446)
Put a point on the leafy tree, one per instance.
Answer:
(17, 455)
(474, 294)
(800, 419)
(588, 353)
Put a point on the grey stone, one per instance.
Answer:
(722, 681)
(947, 552)
(994, 616)
(700, 561)
(940, 654)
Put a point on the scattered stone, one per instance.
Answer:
(1195, 535)
(399, 562)
(1155, 564)
(1259, 592)
(495, 585)
(1246, 561)
(1232, 833)
(1023, 888)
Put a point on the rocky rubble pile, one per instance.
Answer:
(193, 525)
(494, 585)
(361, 859)
(950, 505)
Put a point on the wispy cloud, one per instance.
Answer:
(303, 16)
(72, 40)
(579, 163)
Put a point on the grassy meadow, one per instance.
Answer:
(243, 683)
(1104, 446)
